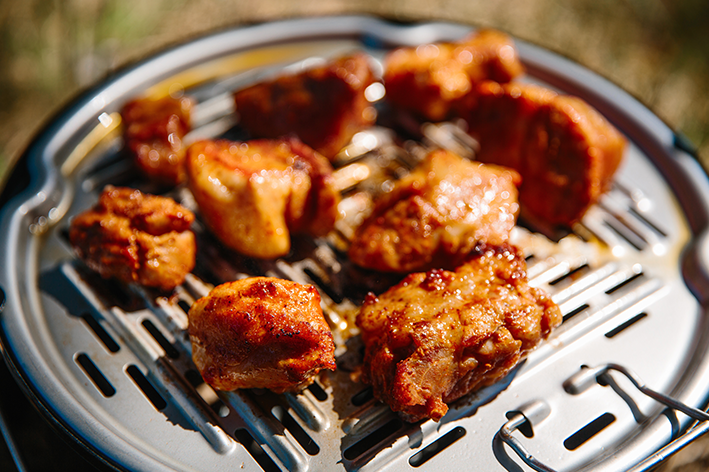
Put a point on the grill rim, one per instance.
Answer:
(36, 165)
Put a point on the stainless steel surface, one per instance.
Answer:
(112, 364)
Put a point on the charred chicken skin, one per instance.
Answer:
(437, 214)
(154, 133)
(323, 106)
(565, 151)
(136, 237)
(254, 194)
(260, 332)
(436, 336)
(430, 79)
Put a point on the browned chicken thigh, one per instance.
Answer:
(154, 132)
(136, 237)
(437, 214)
(430, 79)
(324, 106)
(438, 335)
(565, 151)
(254, 194)
(260, 332)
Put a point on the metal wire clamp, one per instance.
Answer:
(534, 412)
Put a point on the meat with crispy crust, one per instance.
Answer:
(324, 105)
(260, 332)
(430, 79)
(565, 151)
(436, 336)
(136, 237)
(254, 194)
(437, 214)
(154, 130)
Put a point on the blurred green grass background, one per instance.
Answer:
(658, 50)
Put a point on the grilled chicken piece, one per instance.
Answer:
(324, 106)
(260, 332)
(254, 194)
(564, 149)
(430, 79)
(437, 214)
(136, 237)
(154, 132)
(436, 336)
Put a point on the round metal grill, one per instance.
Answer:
(112, 363)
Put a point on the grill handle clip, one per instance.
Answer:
(532, 413)
(537, 410)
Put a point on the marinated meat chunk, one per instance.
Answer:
(437, 214)
(565, 151)
(430, 79)
(136, 237)
(154, 132)
(254, 194)
(438, 335)
(260, 332)
(323, 106)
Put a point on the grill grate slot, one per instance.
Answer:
(256, 451)
(327, 288)
(308, 411)
(647, 222)
(436, 447)
(306, 442)
(636, 204)
(318, 392)
(583, 435)
(622, 327)
(184, 305)
(575, 311)
(362, 397)
(572, 275)
(111, 292)
(96, 376)
(376, 438)
(146, 387)
(105, 338)
(626, 234)
(167, 346)
(636, 278)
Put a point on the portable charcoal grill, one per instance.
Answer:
(111, 364)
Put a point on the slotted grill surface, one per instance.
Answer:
(113, 362)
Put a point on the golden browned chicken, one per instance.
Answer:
(260, 332)
(136, 237)
(154, 131)
(324, 106)
(438, 335)
(430, 79)
(437, 214)
(564, 149)
(254, 194)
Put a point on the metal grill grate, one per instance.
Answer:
(114, 362)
